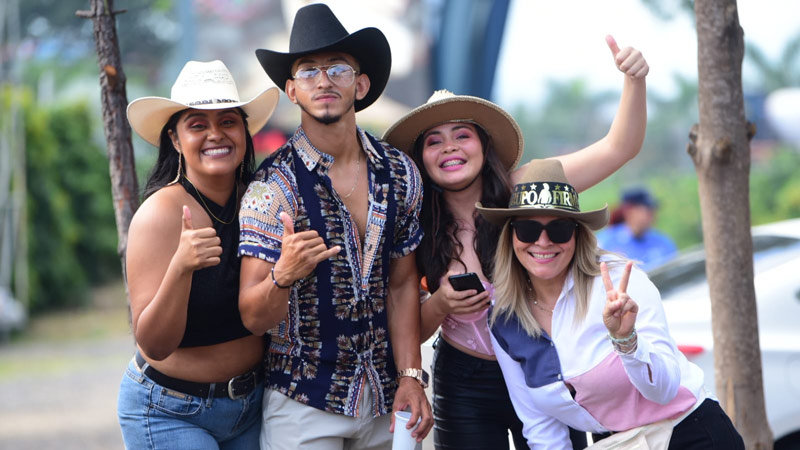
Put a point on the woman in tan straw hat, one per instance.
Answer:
(581, 335)
(467, 149)
(196, 381)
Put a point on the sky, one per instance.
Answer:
(565, 40)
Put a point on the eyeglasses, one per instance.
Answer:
(341, 75)
(559, 231)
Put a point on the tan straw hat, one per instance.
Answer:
(444, 107)
(544, 191)
(200, 85)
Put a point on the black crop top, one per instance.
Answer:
(213, 316)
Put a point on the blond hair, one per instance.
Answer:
(511, 279)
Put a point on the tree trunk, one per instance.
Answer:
(124, 186)
(720, 149)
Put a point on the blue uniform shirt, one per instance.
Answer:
(651, 249)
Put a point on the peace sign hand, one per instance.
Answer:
(619, 314)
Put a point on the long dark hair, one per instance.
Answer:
(166, 167)
(439, 245)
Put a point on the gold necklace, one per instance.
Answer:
(358, 166)
(536, 302)
(208, 210)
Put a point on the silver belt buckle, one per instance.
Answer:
(231, 395)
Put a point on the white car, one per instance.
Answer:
(684, 290)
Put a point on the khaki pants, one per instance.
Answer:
(291, 425)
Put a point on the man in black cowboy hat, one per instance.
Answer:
(328, 230)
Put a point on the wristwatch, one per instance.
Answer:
(418, 374)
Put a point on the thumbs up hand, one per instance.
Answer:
(197, 248)
(300, 252)
(628, 60)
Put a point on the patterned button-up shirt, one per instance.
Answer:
(334, 342)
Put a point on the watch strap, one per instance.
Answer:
(418, 374)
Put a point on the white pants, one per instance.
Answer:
(291, 425)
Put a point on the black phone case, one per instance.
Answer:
(466, 281)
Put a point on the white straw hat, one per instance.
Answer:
(200, 85)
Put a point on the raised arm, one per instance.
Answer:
(164, 250)
(590, 165)
(264, 287)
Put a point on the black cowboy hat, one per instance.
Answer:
(317, 30)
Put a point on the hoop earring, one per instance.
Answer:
(180, 167)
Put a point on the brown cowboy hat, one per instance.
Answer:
(317, 30)
(443, 107)
(544, 191)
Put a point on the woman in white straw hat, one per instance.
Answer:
(467, 149)
(581, 335)
(196, 381)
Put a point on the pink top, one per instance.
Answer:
(470, 330)
(606, 392)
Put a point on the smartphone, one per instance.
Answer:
(466, 281)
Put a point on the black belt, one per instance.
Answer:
(237, 387)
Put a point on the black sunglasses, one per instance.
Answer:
(558, 231)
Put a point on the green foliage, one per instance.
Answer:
(61, 42)
(71, 229)
(669, 9)
(774, 196)
(679, 207)
(781, 72)
(572, 118)
(775, 187)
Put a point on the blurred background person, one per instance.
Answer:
(630, 231)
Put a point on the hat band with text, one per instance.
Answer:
(212, 101)
(545, 195)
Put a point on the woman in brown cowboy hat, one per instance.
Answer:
(196, 379)
(581, 335)
(467, 149)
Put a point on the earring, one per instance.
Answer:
(180, 167)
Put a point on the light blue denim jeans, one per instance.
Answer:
(154, 417)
